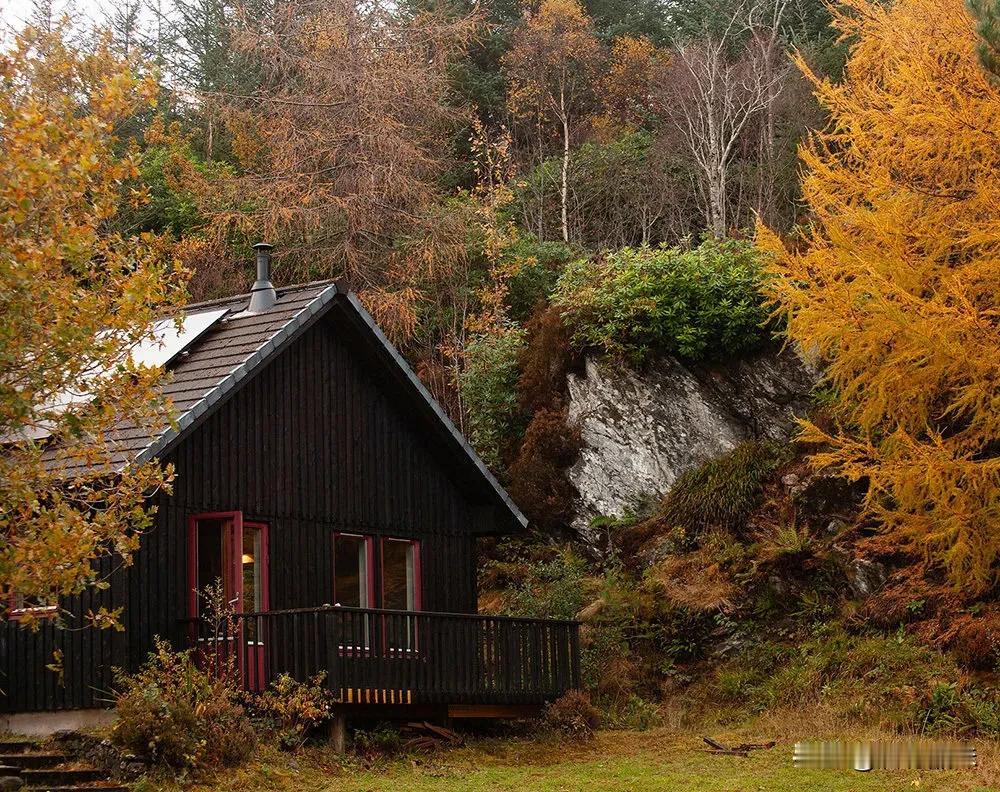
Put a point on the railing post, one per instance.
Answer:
(574, 640)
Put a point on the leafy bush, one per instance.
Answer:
(538, 482)
(291, 709)
(540, 264)
(174, 713)
(551, 589)
(546, 361)
(382, 740)
(573, 715)
(700, 303)
(634, 714)
(489, 388)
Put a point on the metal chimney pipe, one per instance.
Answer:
(262, 295)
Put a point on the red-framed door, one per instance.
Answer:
(222, 546)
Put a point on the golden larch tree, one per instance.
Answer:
(896, 284)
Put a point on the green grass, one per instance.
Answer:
(621, 761)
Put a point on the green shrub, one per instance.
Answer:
(382, 740)
(540, 264)
(634, 714)
(573, 715)
(605, 658)
(489, 389)
(700, 303)
(291, 709)
(552, 589)
(938, 712)
(176, 714)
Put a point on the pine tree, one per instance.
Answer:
(987, 14)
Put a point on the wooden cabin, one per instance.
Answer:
(340, 508)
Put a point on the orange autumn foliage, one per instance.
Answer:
(896, 284)
(75, 299)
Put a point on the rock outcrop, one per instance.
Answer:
(641, 429)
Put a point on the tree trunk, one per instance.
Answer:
(564, 190)
(717, 201)
(209, 142)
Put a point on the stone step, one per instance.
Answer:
(9, 770)
(50, 778)
(109, 787)
(32, 761)
(18, 746)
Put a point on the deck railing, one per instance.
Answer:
(398, 657)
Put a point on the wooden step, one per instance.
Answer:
(32, 761)
(51, 778)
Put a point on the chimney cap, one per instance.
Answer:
(263, 295)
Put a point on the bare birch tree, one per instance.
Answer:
(712, 95)
(551, 68)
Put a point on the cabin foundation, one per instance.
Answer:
(43, 724)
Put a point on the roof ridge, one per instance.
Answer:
(282, 291)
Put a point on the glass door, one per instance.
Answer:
(228, 572)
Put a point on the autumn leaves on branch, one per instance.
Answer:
(896, 284)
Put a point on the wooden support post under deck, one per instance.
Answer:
(338, 732)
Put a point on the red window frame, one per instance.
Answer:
(22, 612)
(417, 582)
(265, 566)
(237, 526)
(402, 651)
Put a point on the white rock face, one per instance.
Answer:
(641, 430)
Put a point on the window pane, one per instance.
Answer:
(350, 573)
(251, 560)
(397, 575)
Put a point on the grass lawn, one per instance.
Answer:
(654, 760)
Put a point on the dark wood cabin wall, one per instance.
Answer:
(316, 443)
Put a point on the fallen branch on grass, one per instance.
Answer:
(742, 749)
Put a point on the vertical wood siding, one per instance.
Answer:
(317, 442)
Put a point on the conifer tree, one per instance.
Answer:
(896, 284)
(987, 14)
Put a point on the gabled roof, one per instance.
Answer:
(239, 344)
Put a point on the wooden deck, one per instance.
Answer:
(408, 658)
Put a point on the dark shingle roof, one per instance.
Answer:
(218, 361)
(237, 345)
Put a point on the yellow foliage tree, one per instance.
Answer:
(628, 85)
(74, 301)
(896, 284)
(551, 67)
